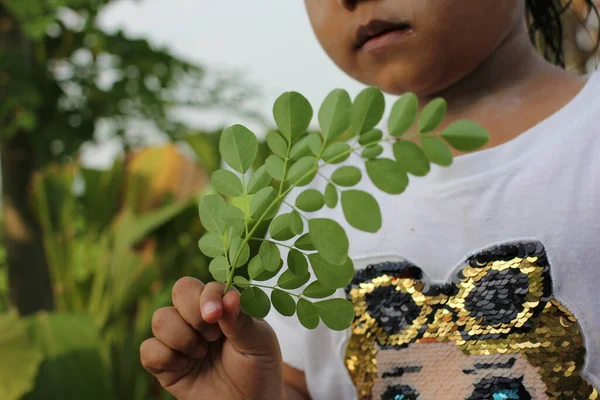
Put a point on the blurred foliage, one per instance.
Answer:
(77, 77)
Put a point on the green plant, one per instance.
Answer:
(297, 156)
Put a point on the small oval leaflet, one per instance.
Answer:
(314, 143)
(331, 195)
(367, 110)
(300, 149)
(292, 113)
(283, 303)
(465, 135)
(296, 223)
(336, 314)
(387, 175)
(330, 239)
(241, 282)
(336, 153)
(303, 171)
(275, 167)
(317, 291)
(280, 228)
(371, 137)
(307, 313)
(334, 114)
(436, 150)
(238, 147)
(289, 281)
(277, 144)
(261, 201)
(297, 263)
(211, 245)
(403, 114)
(212, 207)
(310, 200)
(219, 268)
(432, 115)
(255, 267)
(269, 255)
(346, 176)
(239, 252)
(330, 275)
(361, 210)
(372, 152)
(259, 180)
(255, 302)
(227, 183)
(305, 243)
(411, 158)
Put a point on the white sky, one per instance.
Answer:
(271, 41)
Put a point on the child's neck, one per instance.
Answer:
(513, 90)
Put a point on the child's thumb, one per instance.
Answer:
(248, 335)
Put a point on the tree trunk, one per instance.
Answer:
(29, 279)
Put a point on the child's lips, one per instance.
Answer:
(378, 31)
(384, 40)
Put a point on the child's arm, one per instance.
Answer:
(295, 384)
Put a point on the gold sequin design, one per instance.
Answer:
(500, 304)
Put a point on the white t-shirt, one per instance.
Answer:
(483, 281)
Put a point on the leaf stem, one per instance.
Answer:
(274, 287)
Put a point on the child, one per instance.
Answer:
(483, 281)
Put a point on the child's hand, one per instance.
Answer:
(206, 347)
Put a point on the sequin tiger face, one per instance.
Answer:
(494, 333)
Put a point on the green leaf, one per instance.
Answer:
(268, 275)
(259, 180)
(238, 147)
(211, 245)
(296, 223)
(316, 290)
(275, 167)
(367, 110)
(334, 114)
(305, 243)
(330, 275)
(219, 268)
(371, 137)
(212, 208)
(300, 172)
(241, 282)
(277, 144)
(361, 210)
(404, 114)
(236, 219)
(280, 227)
(292, 113)
(465, 135)
(310, 200)
(255, 267)
(74, 365)
(432, 115)
(238, 245)
(261, 201)
(337, 153)
(330, 239)
(337, 314)
(297, 263)
(331, 195)
(436, 150)
(346, 176)
(387, 175)
(227, 183)
(300, 149)
(372, 152)
(289, 281)
(255, 302)
(308, 315)
(283, 303)
(17, 351)
(411, 158)
(314, 143)
(270, 256)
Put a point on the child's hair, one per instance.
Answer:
(545, 20)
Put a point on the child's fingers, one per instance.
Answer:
(172, 330)
(186, 299)
(211, 302)
(157, 357)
